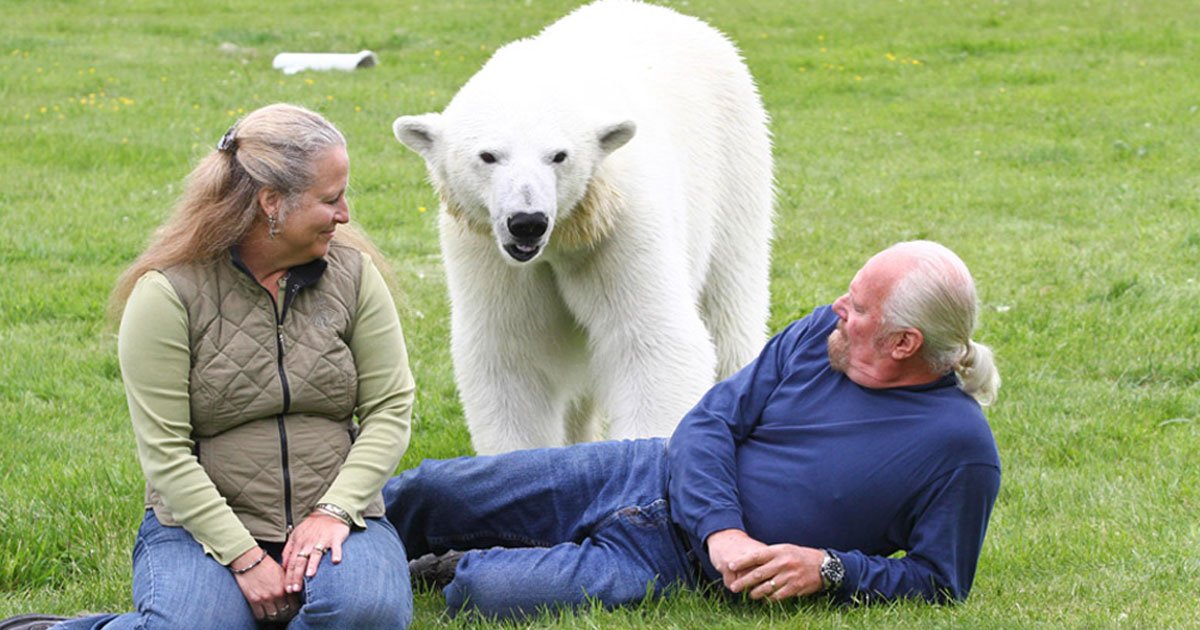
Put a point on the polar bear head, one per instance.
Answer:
(515, 170)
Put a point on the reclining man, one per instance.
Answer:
(857, 433)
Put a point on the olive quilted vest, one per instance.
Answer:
(272, 387)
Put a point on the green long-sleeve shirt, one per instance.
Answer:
(153, 345)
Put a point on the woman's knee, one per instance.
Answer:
(176, 583)
(370, 587)
(382, 603)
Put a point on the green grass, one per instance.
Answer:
(1052, 144)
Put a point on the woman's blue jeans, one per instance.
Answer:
(176, 585)
(549, 527)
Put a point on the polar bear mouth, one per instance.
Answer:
(521, 252)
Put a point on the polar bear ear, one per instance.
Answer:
(419, 133)
(613, 137)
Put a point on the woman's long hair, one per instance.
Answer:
(273, 147)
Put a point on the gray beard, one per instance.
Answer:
(839, 351)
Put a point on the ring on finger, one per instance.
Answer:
(319, 549)
(302, 554)
(773, 585)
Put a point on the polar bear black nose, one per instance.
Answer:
(527, 225)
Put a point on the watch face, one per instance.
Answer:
(832, 571)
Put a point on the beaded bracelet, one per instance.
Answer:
(249, 566)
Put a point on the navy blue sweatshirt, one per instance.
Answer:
(790, 451)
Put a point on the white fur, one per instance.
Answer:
(632, 311)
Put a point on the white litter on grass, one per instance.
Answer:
(291, 63)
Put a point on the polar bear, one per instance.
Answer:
(606, 212)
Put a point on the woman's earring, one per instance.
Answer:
(272, 226)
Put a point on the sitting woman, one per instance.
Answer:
(255, 329)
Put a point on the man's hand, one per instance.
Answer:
(262, 587)
(727, 546)
(774, 572)
(315, 536)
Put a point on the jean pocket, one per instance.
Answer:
(648, 516)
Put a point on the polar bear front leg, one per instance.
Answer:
(651, 355)
(518, 354)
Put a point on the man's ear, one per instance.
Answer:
(269, 200)
(907, 343)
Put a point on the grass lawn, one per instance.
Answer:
(1053, 145)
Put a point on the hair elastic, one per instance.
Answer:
(228, 143)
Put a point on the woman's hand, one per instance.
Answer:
(315, 536)
(262, 586)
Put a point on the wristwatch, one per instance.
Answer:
(832, 572)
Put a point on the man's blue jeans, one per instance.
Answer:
(176, 585)
(549, 527)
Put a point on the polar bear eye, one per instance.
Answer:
(560, 157)
(487, 158)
